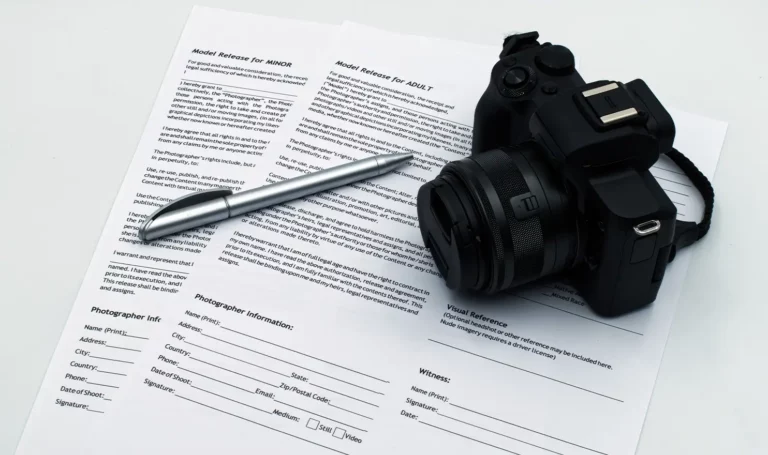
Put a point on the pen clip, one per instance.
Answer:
(188, 200)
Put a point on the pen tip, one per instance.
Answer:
(389, 162)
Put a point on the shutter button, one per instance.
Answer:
(556, 60)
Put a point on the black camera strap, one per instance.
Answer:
(688, 232)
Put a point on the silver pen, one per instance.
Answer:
(210, 206)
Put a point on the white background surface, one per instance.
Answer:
(78, 79)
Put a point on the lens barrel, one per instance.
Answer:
(498, 219)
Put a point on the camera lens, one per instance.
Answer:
(497, 220)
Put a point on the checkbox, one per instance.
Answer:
(312, 424)
(339, 433)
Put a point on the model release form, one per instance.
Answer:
(328, 330)
(230, 84)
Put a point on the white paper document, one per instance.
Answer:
(232, 81)
(322, 327)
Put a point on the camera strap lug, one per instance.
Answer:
(647, 228)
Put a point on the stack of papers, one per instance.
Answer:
(321, 326)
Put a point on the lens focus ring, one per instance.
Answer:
(527, 239)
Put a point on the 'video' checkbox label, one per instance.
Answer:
(339, 433)
(312, 424)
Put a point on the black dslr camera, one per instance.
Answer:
(559, 181)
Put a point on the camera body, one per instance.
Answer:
(567, 174)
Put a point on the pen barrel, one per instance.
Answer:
(211, 206)
(305, 185)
